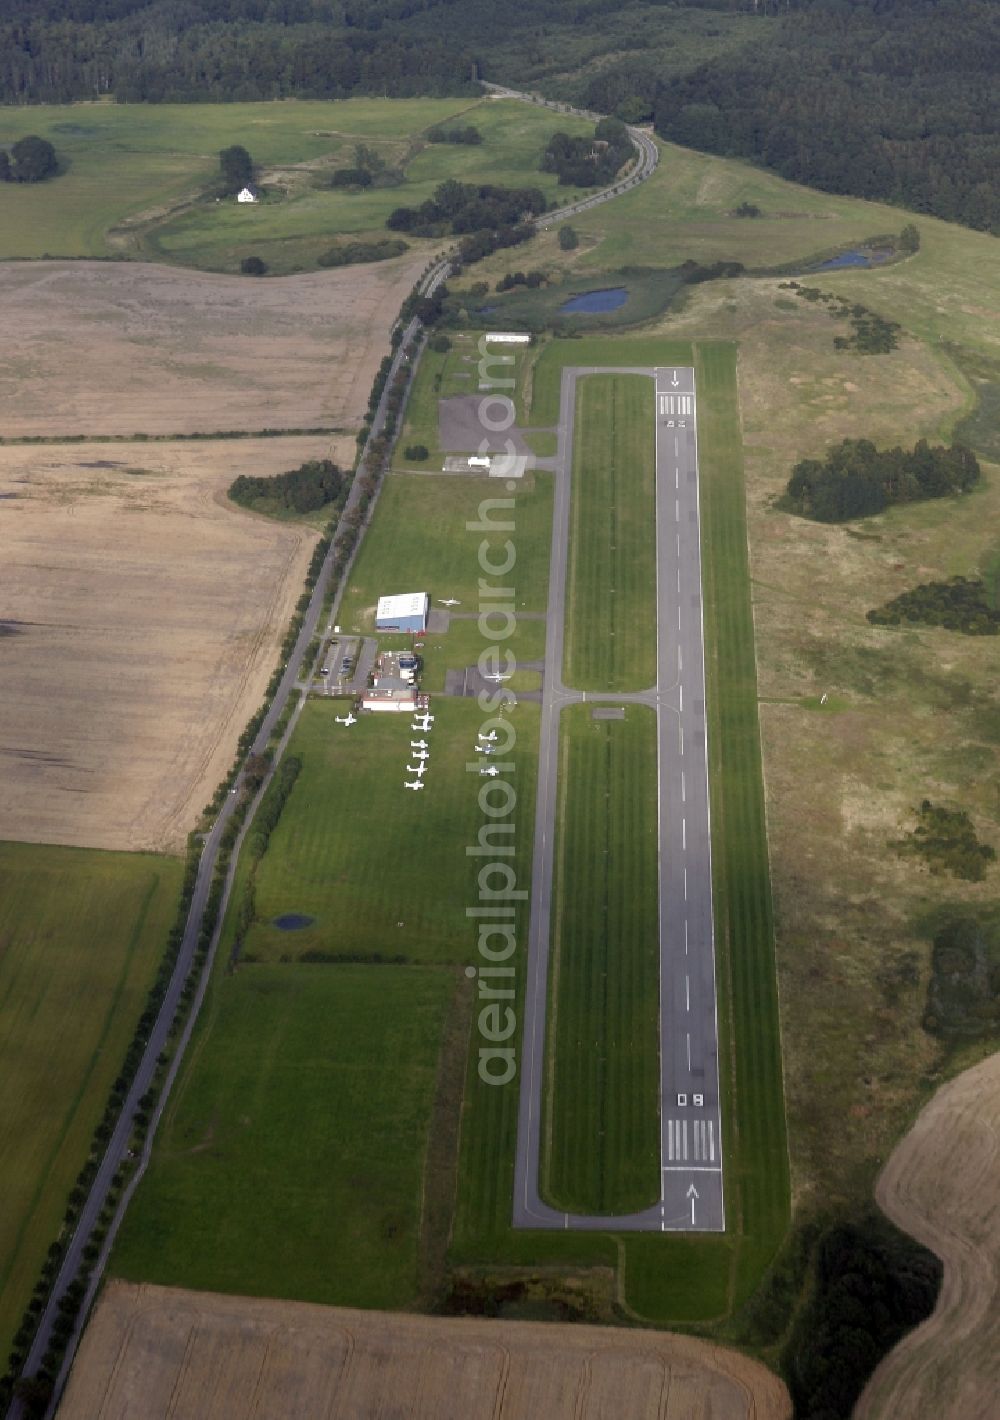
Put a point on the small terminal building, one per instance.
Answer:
(385, 697)
(408, 612)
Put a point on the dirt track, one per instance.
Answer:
(942, 1185)
(152, 1352)
(140, 619)
(125, 347)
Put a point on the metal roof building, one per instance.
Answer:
(403, 613)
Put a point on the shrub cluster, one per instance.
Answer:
(31, 159)
(589, 162)
(960, 604)
(946, 839)
(856, 480)
(873, 1284)
(460, 208)
(468, 135)
(963, 993)
(305, 489)
(872, 333)
(357, 253)
(531, 279)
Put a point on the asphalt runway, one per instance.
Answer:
(691, 1190)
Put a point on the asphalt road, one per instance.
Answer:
(691, 1191)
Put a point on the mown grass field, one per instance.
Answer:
(157, 163)
(81, 936)
(602, 1131)
(290, 1162)
(611, 578)
(380, 869)
(419, 541)
(754, 1122)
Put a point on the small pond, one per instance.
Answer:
(292, 921)
(858, 257)
(595, 302)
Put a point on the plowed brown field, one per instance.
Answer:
(942, 1185)
(152, 1352)
(140, 620)
(125, 348)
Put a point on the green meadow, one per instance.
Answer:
(380, 869)
(81, 936)
(611, 579)
(420, 540)
(290, 1162)
(137, 179)
(602, 1129)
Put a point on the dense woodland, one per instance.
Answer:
(889, 99)
(884, 99)
(856, 479)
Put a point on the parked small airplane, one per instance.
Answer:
(487, 739)
(491, 770)
(419, 753)
(417, 784)
(423, 723)
(484, 749)
(418, 769)
(449, 601)
(499, 675)
(418, 744)
(349, 719)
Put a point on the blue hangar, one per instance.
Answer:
(408, 612)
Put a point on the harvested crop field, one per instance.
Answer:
(151, 1352)
(950, 1366)
(121, 348)
(140, 620)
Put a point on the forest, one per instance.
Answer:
(892, 100)
(885, 99)
(856, 480)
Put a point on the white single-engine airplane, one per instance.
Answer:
(419, 753)
(348, 720)
(418, 744)
(491, 770)
(417, 784)
(423, 724)
(418, 769)
(484, 749)
(449, 601)
(499, 675)
(487, 739)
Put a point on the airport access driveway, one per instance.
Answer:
(691, 1191)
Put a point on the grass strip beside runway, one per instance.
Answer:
(756, 1147)
(611, 603)
(601, 1144)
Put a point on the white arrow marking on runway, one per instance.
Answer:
(692, 1193)
(675, 381)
